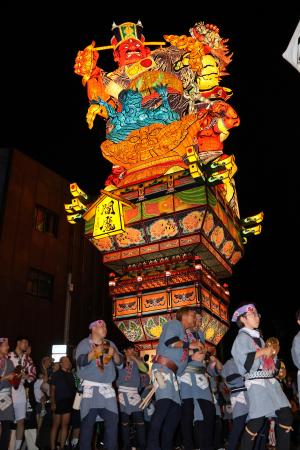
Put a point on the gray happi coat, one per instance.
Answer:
(236, 383)
(128, 383)
(97, 385)
(296, 357)
(265, 393)
(195, 384)
(6, 403)
(169, 389)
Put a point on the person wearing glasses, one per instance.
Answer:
(256, 362)
(128, 383)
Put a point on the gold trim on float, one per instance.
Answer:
(111, 47)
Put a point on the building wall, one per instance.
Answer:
(22, 247)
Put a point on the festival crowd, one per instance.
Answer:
(185, 398)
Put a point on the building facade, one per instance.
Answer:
(44, 261)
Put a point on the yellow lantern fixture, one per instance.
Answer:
(109, 216)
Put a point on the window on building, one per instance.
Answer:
(40, 284)
(46, 221)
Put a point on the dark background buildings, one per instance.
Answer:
(44, 260)
(44, 106)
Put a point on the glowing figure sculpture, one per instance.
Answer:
(179, 233)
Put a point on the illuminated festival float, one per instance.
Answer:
(167, 222)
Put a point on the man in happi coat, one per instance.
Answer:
(96, 359)
(170, 360)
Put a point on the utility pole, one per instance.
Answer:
(70, 286)
(68, 308)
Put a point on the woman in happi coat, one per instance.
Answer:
(256, 362)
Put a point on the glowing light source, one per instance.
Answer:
(112, 281)
(198, 265)
(77, 205)
(58, 351)
(77, 192)
(109, 217)
(74, 218)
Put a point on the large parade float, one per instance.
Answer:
(167, 220)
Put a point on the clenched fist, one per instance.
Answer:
(93, 111)
(85, 62)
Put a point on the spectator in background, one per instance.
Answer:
(62, 393)
(30, 422)
(46, 368)
(23, 362)
(6, 404)
(55, 367)
(42, 388)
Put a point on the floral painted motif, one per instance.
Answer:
(208, 223)
(133, 332)
(153, 327)
(192, 221)
(205, 298)
(235, 257)
(104, 244)
(205, 320)
(217, 236)
(163, 228)
(209, 333)
(131, 236)
(228, 249)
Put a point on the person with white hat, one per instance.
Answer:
(256, 362)
(96, 359)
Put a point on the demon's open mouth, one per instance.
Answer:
(131, 53)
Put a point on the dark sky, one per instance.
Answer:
(43, 107)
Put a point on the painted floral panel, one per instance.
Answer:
(131, 236)
(163, 229)
(192, 221)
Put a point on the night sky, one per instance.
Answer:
(43, 107)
